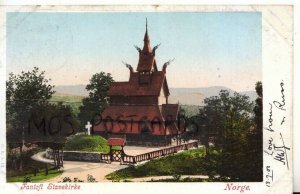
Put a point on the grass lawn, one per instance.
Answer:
(94, 143)
(191, 162)
(40, 176)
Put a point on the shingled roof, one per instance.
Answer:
(135, 111)
(116, 141)
(133, 115)
(133, 88)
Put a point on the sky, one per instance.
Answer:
(210, 48)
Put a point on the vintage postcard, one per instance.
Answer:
(147, 99)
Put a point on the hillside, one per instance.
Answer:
(77, 90)
(68, 99)
(196, 96)
(185, 96)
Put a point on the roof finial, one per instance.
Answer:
(147, 48)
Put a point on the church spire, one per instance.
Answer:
(147, 47)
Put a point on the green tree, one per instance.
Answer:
(51, 123)
(255, 140)
(251, 158)
(24, 93)
(228, 118)
(49, 126)
(30, 116)
(95, 102)
(258, 109)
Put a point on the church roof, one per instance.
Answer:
(138, 113)
(114, 111)
(116, 142)
(133, 88)
(146, 55)
(146, 62)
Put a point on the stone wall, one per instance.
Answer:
(77, 156)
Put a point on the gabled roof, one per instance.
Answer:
(116, 142)
(132, 111)
(133, 88)
(133, 115)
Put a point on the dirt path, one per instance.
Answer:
(77, 169)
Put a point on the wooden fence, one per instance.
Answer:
(151, 155)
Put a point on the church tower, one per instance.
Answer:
(139, 107)
(147, 64)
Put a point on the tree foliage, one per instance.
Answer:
(95, 102)
(24, 93)
(51, 123)
(30, 116)
(256, 136)
(229, 120)
(258, 110)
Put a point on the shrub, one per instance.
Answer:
(87, 143)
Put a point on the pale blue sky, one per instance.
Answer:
(209, 48)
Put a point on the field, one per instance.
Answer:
(74, 101)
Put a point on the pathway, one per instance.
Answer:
(77, 169)
(80, 170)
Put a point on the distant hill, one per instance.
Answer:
(76, 90)
(185, 96)
(196, 96)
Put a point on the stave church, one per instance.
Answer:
(138, 109)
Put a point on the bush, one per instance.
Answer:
(87, 143)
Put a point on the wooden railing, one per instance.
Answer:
(158, 153)
(151, 155)
(104, 157)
